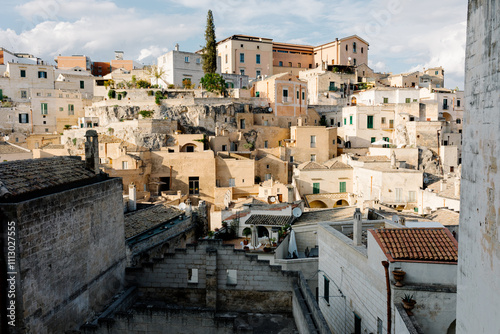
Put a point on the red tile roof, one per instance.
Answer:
(417, 244)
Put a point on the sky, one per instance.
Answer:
(404, 35)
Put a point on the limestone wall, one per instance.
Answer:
(71, 256)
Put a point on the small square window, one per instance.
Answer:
(186, 59)
(23, 73)
(232, 277)
(192, 275)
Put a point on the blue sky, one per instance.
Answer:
(404, 35)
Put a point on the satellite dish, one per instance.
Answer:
(182, 206)
(272, 199)
(297, 212)
(270, 109)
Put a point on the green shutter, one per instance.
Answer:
(1, 95)
(345, 121)
(373, 139)
(342, 187)
(369, 122)
(315, 188)
(350, 120)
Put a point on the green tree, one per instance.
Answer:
(213, 82)
(210, 50)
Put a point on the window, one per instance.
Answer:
(192, 275)
(242, 57)
(285, 95)
(257, 73)
(186, 59)
(24, 94)
(354, 61)
(44, 108)
(232, 277)
(386, 100)
(267, 166)
(266, 144)
(399, 194)
(313, 141)
(372, 139)
(280, 63)
(342, 187)
(436, 73)
(23, 118)
(298, 95)
(412, 196)
(316, 188)
(291, 158)
(458, 103)
(345, 121)
(23, 74)
(242, 123)
(226, 59)
(198, 61)
(445, 104)
(232, 182)
(350, 120)
(303, 96)
(326, 286)
(267, 176)
(382, 120)
(289, 64)
(459, 121)
(369, 122)
(194, 185)
(242, 71)
(391, 123)
(224, 147)
(257, 59)
(332, 122)
(362, 49)
(82, 84)
(354, 49)
(299, 65)
(124, 164)
(407, 100)
(332, 86)
(42, 75)
(49, 94)
(313, 157)
(347, 47)
(61, 109)
(357, 324)
(71, 109)
(380, 326)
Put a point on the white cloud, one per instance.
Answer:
(402, 34)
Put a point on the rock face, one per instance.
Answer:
(428, 161)
(401, 135)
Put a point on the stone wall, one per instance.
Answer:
(259, 287)
(479, 251)
(71, 255)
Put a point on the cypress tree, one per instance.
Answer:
(210, 50)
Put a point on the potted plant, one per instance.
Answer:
(246, 232)
(210, 234)
(399, 275)
(273, 242)
(408, 303)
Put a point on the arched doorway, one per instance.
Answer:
(188, 148)
(341, 202)
(452, 328)
(262, 231)
(318, 204)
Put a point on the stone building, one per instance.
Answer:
(69, 257)
(479, 264)
(353, 294)
(181, 67)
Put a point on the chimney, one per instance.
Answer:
(118, 55)
(132, 197)
(393, 160)
(443, 185)
(176, 46)
(92, 151)
(357, 228)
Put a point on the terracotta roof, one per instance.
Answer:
(310, 165)
(24, 176)
(417, 244)
(268, 220)
(145, 219)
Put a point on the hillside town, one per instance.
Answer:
(300, 191)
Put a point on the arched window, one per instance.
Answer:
(354, 47)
